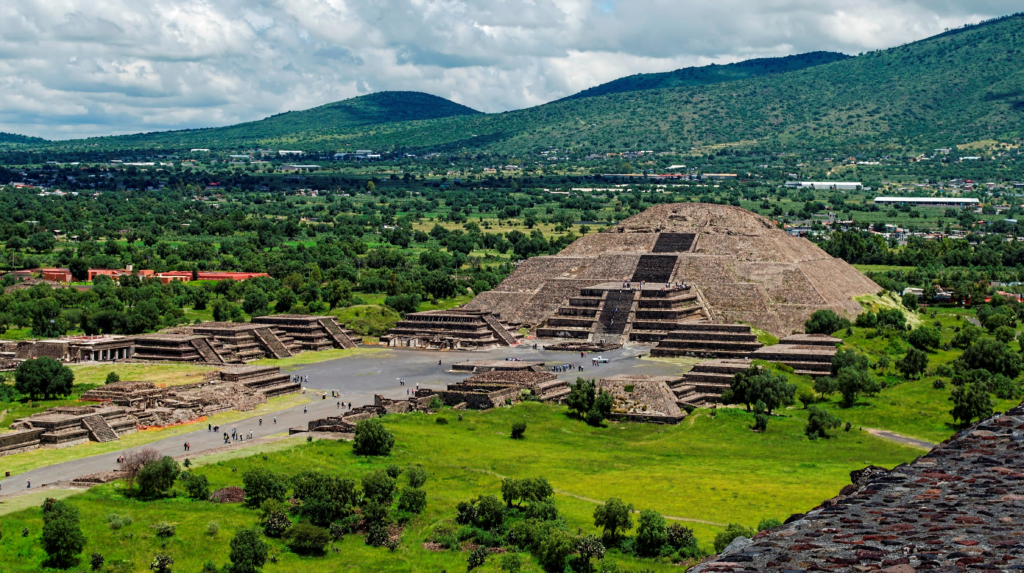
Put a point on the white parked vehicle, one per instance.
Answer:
(600, 359)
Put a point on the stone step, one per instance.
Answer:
(99, 430)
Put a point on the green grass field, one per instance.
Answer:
(709, 470)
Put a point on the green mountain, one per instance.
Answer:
(306, 127)
(960, 86)
(713, 74)
(19, 139)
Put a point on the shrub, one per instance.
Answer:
(925, 338)
(156, 477)
(417, 476)
(476, 558)
(262, 484)
(441, 420)
(825, 322)
(116, 522)
(910, 301)
(161, 564)
(555, 549)
(248, 551)
(768, 523)
(62, 537)
(818, 422)
(651, 533)
(518, 429)
(379, 486)
(734, 530)
(412, 500)
(377, 535)
(96, 561)
(197, 487)
(682, 540)
(511, 563)
(393, 471)
(112, 377)
(163, 529)
(939, 384)
(372, 438)
(435, 403)
(307, 539)
(212, 528)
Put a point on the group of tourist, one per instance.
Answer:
(566, 368)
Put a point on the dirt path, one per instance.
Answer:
(900, 439)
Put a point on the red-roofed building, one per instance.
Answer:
(57, 275)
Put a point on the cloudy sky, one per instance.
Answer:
(71, 68)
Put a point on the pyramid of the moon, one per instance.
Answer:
(737, 267)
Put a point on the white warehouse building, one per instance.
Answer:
(929, 201)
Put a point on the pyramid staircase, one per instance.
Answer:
(336, 333)
(271, 343)
(708, 340)
(99, 430)
(499, 331)
(552, 391)
(703, 386)
(204, 349)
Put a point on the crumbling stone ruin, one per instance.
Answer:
(956, 509)
(642, 398)
(126, 406)
(278, 336)
(698, 263)
(451, 330)
(72, 348)
(478, 366)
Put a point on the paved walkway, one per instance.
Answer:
(357, 379)
(900, 438)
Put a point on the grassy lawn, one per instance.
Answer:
(367, 319)
(881, 268)
(21, 463)
(25, 407)
(171, 374)
(709, 468)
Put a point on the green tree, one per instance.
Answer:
(581, 396)
(112, 377)
(156, 477)
(379, 487)
(970, 401)
(197, 486)
(819, 421)
(651, 534)
(825, 322)
(43, 377)
(62, 537)
(913, 364)
(967, 336)
(261, 484)
(991, 355)
(555, 549)
(925, 338)
(42, 242)
(613, 516)
(417, 476)
(910, 301)
(412, 500)
(255, 303)
(372, 438)
(248, 551)
(307, 539)
(756, 384)
(852, 382)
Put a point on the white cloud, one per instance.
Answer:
(71, 68)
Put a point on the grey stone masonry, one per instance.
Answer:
(958, 508)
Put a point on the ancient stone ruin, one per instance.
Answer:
(642, 398)
(123, 407)
(669, 274)
(956, 509)
(451, 330)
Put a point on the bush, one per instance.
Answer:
(197, 487)
(417, 476)
(651, 533)
(435, 404)
(156, 477)
(825, 322)
(377, 535)
(555, 549)
(163, 529)
(768, 523)
(682, 539)
(393, 471)
(477, 557)
(116, 522)
(518, 429)
(511, 563)
(212, 528)
(161, 564)
(412, 500)
(939, 384)
(372, 438)
(96, 561)
(112, 377)
(379, 486)
(818, 422)
(248, 551)
(734, 530)
(925, 338)
(910, 301)
(62, 538)
(307, 539)
(262, 484)
(441, 420)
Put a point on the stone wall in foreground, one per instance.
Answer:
(959, 508)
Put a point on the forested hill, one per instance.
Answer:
(15, 138)
(326, 121)
(713, 74)
(958, 87)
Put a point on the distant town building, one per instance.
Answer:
(929, 201)
(836, 185)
